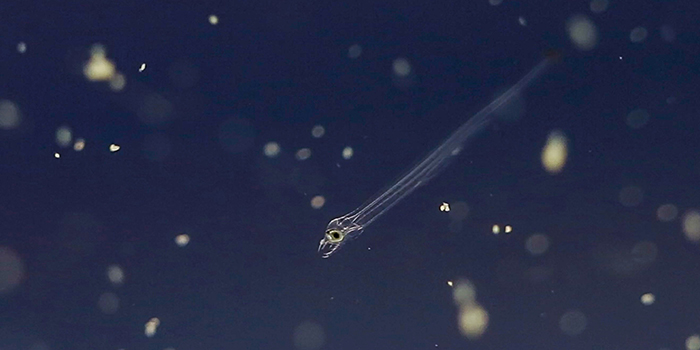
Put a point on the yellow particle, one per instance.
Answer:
(445, 207)
(182, 239)
(213, 20)
(151, 327)
(555, 152)
(473, 320)
(114, 148)
(99, 68)
(648, 299)
(496, 229)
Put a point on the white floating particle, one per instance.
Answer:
(582, 32)
(57, 155)
(21, 47)
(213, 20)
(114, 148)
(142, 68)
(445, 207)
(496, 229)
(182, 240)
(271, 149)
(151, 327)
(347, 153)
(401, 67)
(648, 298)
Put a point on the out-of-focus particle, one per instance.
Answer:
(213, 20)
(573, 322)
(142, 68)
(522, 21)
(303, 154)
(114, 148)
(555, 152)
(115, 275)
(308, 336)
(182, 240)
(668, 34)
(537, 244)
(693, 342)
(64, 136)
(318, 131)
(99, 68)
(401, 67)
(598, 6)
(582, 32)
(631, 196)
(459, 211)
(347, 152)
(638, 34)
(637, 118)
(464, 292)
(57, 155)
(21, 47)
(495, 2)
(317, 202)
(691, 225)
(108, 303)
(648, 298)
(79, 145)
(496, 229)
(354, 51)
(151, 327)
(118, 82)
(666, 212)
(445, 206)
(10, 116)
(11, 270)
(271, 149)
(473, 320)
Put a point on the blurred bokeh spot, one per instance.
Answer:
(271, 149)
(638, 34)
(318, 131)
(308, 336)
(648, 298)
(151, 327)
(631, 196)
(573, 322)
(11, 270)
(637, 118)
(115, 275)
(693, 342)
(691, 225)
(347, 152)
(555, 152)
(108, 303)
(10, 116)
(182, 240)
(599, 6)
(537, 244)
(667, 212)
(582, 32)
(317, 202)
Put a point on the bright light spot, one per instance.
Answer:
(99, 68)
(631, 196)
(317, 202)
(142, 68)
(308, 336)
(473, 320)
(599, 6)
(496, 229)
(271, 149)
(582, 32)
(667, 212)
(64, 136)
(57, 155)
(11, 270)
(638, 34)
(115, 274)
(445, 206)
(693, 342)
(21, 47)
(573, 322)
(495, 2)
(508, 229)
(10, 116)
(182, 240)
(401, 67)
(151, 327)
(108, 303)
(522, 21)
(648, 299)
(347, 152)
(637, 118)
(691, 226)
(114, 148)
(537, 244)
(213, 20)
(555, 152)
(318, 131)
(303, 154)
(449, 283)
(79, 145)
(355, 51)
